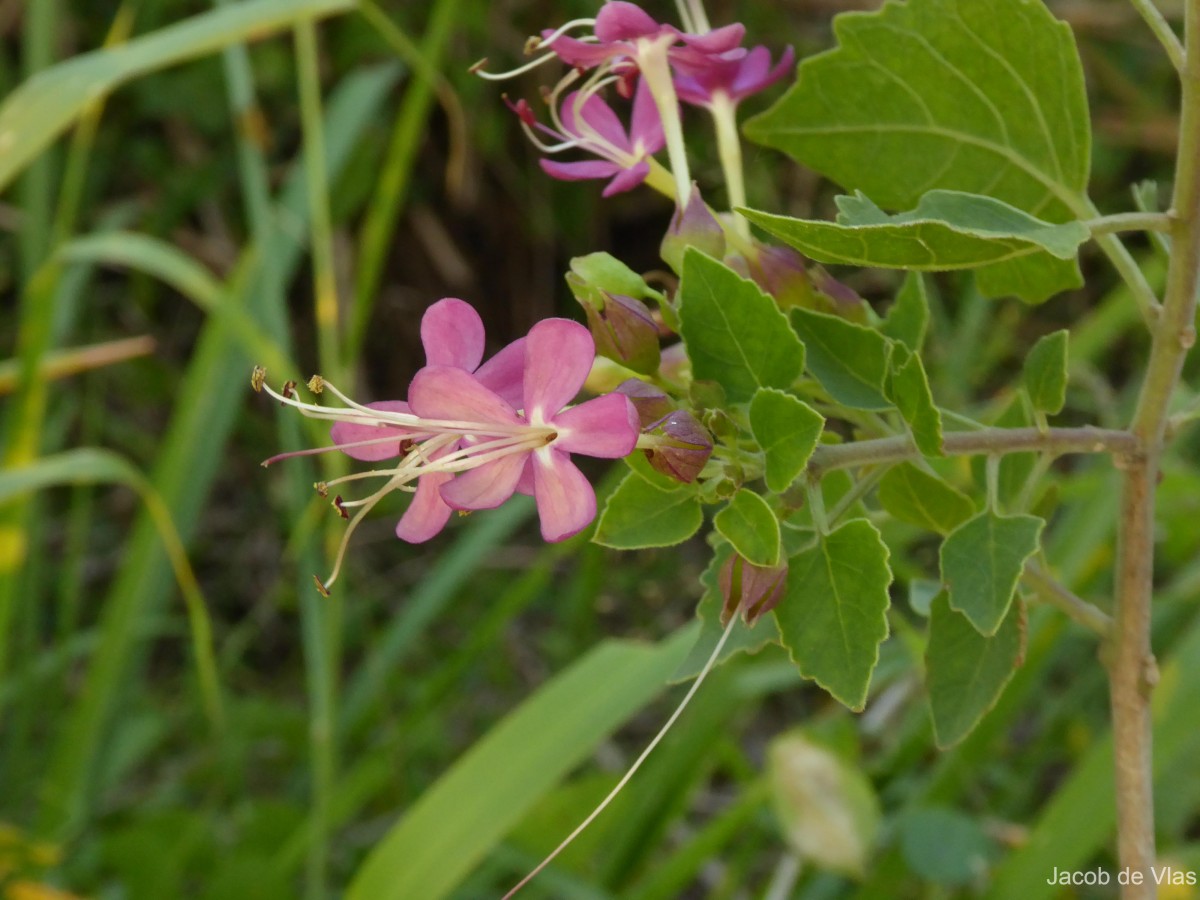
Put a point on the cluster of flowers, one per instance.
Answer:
(655, 64)
(469, 436)
(471, 433)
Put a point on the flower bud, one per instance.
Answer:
(675, 369)
(622, 327)
(652, 404)
(779, 271)
(749, 589)
(693, 226)
(681, 446)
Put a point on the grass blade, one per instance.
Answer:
(458, 820)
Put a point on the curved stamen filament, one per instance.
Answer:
(357, 414)
(569, 26)
(513, 73)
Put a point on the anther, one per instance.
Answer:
(532, 45)
(257, 377)
(289, 390)
(316, 384)
(337, 504)
(320, 586)
(475, 67)
(321, 488)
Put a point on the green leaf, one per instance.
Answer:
(750, 526)
(981, 562)
(787, 430)
(640, 514)
(908, 388)
(908, 317)
(947, 230)
(735, 334)
(921, 499)
(43, 107)
(834, 616)
(1046, 372)
(454, 824)
(965, 672)
(850, 361)
(742, 639)
(981, 96)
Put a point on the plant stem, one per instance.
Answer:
(1162, 31)
(998, 441)
(1055, 593)
(1131, 221)
(1131, 666)
(729, 148)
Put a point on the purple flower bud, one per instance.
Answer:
(844, 300)
(682, 446)
(749, 589)
(779, 271)
(675, 368)
(623, 328)
(652, 404)
(693, 226)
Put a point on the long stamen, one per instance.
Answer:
(511, 73)
(563, 29)
(317, 451)
(499, 449)
(358, 414)
(368, 504)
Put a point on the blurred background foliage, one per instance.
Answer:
(208, 726)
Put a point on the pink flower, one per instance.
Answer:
(624, 32)
(714, 80)
(558, 357)
(452, 334)
(587, 123)
(467, 439)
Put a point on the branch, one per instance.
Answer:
(1173, 333)
(1055, 593)
(1162, 30)
(1057, 441)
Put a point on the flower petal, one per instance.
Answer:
(719, 40)
(452, 334)
(627, 179)
(579, 171)
(646, 123)
(444, 392)
(565, 500)
(503, 373)
(558, 357)
(620, 21)
(488, 486)
(600, 128)
(525, 485)
(344, 433)
(606, 427)
(428, 512)
(580, 54)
